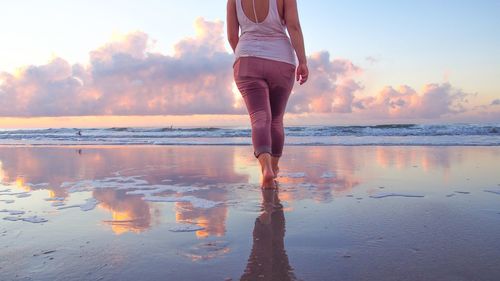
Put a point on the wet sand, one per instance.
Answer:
(197, 213)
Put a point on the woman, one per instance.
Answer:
(264, 70)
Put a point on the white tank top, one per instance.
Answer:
(266, 39)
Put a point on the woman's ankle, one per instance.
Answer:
(274, 164)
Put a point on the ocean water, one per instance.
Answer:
(397, 134)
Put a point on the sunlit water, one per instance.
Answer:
(197, 213)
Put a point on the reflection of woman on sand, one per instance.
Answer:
(268, 260)
(264, 70)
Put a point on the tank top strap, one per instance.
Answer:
(239, 10)
(273, 11)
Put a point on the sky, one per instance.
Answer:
(155, 63)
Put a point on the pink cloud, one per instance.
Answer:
(124, 77)
(434, 101)
(331, 87)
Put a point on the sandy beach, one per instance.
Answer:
(197, 213)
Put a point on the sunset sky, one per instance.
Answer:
(160, 63)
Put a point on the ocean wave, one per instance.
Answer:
(456, 134)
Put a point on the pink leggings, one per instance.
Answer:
(265, 86)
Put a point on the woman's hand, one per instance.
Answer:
(302, 73)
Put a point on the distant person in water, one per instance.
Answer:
(264, 70)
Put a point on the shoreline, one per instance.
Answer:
(244, 145)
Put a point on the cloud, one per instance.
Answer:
(434, 101)
(124, 77)
(331, 87)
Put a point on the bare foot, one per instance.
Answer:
(276, 170)
(268, 179)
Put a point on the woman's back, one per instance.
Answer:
(263, 32)
(261, 9)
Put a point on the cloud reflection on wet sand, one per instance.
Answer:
(201, 203)
(319, 174)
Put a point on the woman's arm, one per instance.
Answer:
(297, 38)
(233, 27)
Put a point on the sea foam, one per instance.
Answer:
(89, 205)
(13, 212)
(33, 219)
(186, 228)
(195, 201)
(379, 195)
(494, 191)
